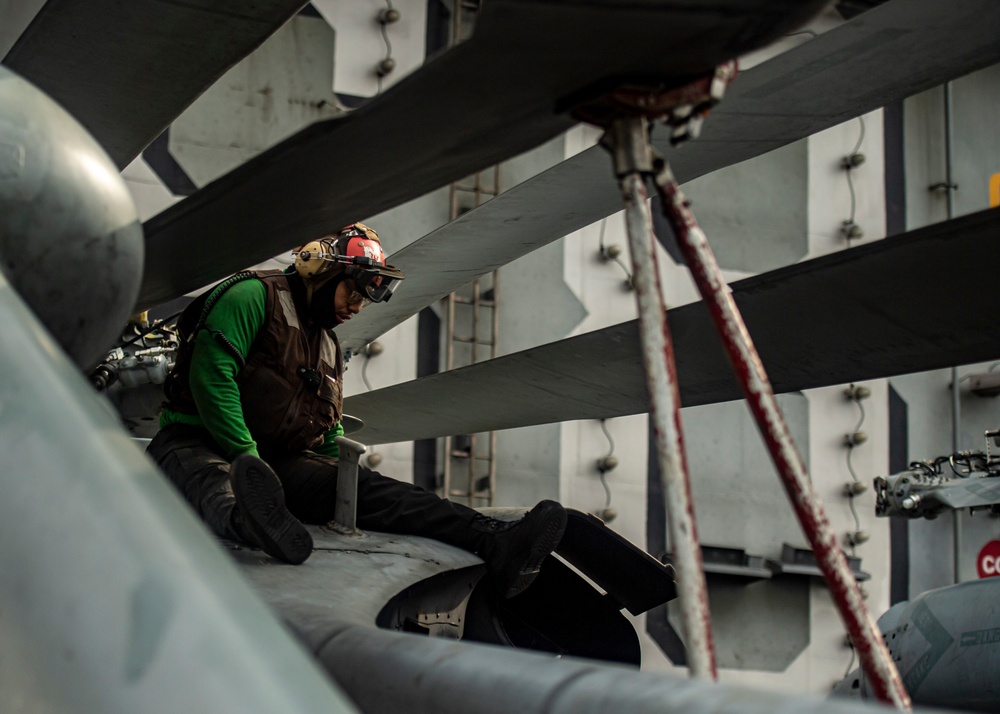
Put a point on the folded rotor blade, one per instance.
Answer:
(894, 51)
(919, 301)
(126, 70)
(507, 89)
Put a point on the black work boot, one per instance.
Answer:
(260, 510)
(514, 550)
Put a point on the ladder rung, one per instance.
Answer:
(469, 341)
(466, 494)
(465, 455)
(473, 189)
(482, 302)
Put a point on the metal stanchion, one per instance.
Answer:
(628, 141)
(345, 512)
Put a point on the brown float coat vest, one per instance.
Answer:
(291, 386)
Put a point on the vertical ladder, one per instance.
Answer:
(469, 460)
(460, 30)
(473, 454)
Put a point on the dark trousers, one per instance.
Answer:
(193, 462)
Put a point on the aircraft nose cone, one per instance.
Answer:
(70, 238)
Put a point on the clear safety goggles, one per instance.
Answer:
(373, 285)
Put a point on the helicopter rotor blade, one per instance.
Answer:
(127, 70)
(438, 125)
(909, 303)
(891, 52)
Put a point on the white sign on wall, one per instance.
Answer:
(988, 562)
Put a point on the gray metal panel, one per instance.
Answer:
(17, 15)
(279, 89)
(466, 109)
(113, 597)
(906, 304)
(753, 230)
(349, 578)
(747, 615)
(125, 70)
(945, 643)
(733, 475)
(891, 52)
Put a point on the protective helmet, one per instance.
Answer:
(355, 251)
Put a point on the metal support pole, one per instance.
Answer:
(449, 364)
(843, 586)
(956, 398)
(345, 512)
(473, 358)
(628, 141)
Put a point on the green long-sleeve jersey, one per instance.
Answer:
(238, 314)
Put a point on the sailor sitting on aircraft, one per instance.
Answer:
(259, 374)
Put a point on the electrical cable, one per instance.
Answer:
(850, 187)
(861, 136)
(850, 499)
(152, 328)
(608, 435)
(603, 472)
(364, 372)
(607, 490)
(385, 35)
(850, 467)
(861, 420)
(849, 166)
(854, 476)
(607, 254)
(850, 665)
(388, 50)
